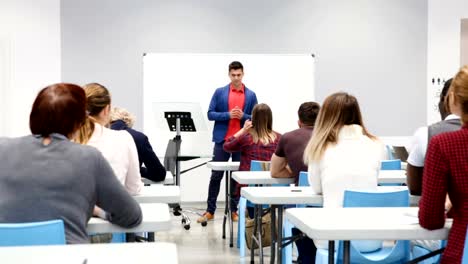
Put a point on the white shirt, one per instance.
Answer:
(352, 163)
(419, 142)
(120, 151)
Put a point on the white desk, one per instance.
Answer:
(227, 167)
(397, 223)
(277, 197)
(92, 254)
(392, 176)
(264, 177)
(223, 165)
(259, 177)
(155, 218)
(158, 194)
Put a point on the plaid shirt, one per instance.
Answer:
(446, 171)
(249, 150)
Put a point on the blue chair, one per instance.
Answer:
(287, 226)
(400, 253)
(393, 164)
(255, 165)
(390, 152)
(419, 251)
(465, 250)
(35, 233)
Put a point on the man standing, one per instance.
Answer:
(230, 106)
(287, 162)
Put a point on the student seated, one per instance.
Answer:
(287, 161)
(445, 171)
(342, 154)
(117, 147)
(255, 141)
(450, 122)
(45, 176)
(153, 170)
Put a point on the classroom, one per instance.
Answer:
(240, 131)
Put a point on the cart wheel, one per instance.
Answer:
(204, 223)
(184, 221)
(187, 227)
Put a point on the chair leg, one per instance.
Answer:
(287, 251)
(241, 226)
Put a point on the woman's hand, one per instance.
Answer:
(247, 125)
(245, 129)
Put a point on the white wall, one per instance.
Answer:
(375, 49)
(443, 60)
(30, 31)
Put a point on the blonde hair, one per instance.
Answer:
(97, 98)
(118, 113)
(262, 123)
(459, 88)
(338, 110)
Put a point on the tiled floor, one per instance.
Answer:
(204, 244)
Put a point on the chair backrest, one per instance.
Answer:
(465, 251)
(258, 165)
(394, 164)
(35, 233)
(398, 198)
(390, 152)
(170, 158)
(303, 179)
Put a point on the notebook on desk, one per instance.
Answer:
(401, 153)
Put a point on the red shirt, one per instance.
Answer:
(236, 98)
(249, 150)
(446, 171)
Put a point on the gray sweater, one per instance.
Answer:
(62, 180)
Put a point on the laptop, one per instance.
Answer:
(400, 152)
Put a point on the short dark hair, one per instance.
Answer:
(235, 65)
(58, 108)
(443, 105)
(308, 112)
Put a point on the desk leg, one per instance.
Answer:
(331, 252)
(254, 234)
(177, 171)
(279, 238)
(226, 209)
(274, 238)
(150, 236)
(346, 257)
(228, 205)
(259, 231)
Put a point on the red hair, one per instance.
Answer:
(58, 108)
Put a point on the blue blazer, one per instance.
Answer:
(219, 111)
(153, 169)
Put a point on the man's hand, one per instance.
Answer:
(236, 112)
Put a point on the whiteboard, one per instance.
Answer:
(5, 75)
(280, 80)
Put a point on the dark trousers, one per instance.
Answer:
(216, 176)
(305, 247)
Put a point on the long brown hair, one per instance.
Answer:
(459, 88)
(338, 110)
(97, 98)
(262, 123)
